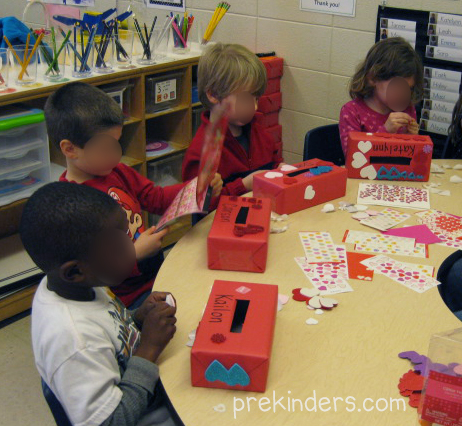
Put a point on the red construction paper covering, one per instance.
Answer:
(404, 157)
(288, 194)
(273, 85)
(267, 120)
(250, 349)
(270, 103)
(274, 66)
(227, 251)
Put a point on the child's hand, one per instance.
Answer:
(149, 243)
(158, 329)
(248, 180)
(396, 120)
(148, 304)
(413, 127)
(216, 184)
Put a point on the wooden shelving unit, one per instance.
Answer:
(172, 124)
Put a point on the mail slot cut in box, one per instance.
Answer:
(232, 348)
(386, 156)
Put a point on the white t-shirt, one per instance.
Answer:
(81, 350)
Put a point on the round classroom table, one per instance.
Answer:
(352, 352)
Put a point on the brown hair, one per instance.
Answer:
(225, 68)
(388, 58)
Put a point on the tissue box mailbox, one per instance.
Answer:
(238, 239)
(232, 348)
(387, 156)
(303, 185)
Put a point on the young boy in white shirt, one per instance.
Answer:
(88, 348)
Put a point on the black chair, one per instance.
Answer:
(450, 289)
(55, 406)
(324, 143)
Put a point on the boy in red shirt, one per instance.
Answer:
(231, 73)
(86, 124)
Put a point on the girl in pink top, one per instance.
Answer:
(368, 111)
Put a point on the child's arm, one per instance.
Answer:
(348, 122)
(152, 198)
(138, 385)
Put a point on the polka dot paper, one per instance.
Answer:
(319, 247)
(393, 196)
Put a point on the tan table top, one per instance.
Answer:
(352, 352)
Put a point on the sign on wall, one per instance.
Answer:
(334, 7)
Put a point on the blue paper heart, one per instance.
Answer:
(320, 170)
(232, 377)
(216, 371)
(315, 171)
(237, 376)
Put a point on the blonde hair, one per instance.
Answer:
(388, 58)
(226, 68)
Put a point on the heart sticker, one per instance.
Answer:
(309, 192)
(368, 172)
(358, 160)
(272, 175)
(364, 146)
(287, 168)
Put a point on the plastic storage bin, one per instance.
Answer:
(165, 172)
(24, 154)
(163, 91)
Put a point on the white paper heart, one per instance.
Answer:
(458, 167)
(309, 292)
(312, 321)
(315, 302)
(272, 175)
(360, 207)
(360, 216)
(220, 408)
(328, 208)
(368, 172)
(283, 298)
(309, 192)
(318, 311)
(287, 168)
(358, 160)
(453, 179)
(365, 146)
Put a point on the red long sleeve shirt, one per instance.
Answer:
(135, 193)
(234, 158)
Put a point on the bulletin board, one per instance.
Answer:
(437, 37)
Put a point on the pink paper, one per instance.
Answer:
(421, 233)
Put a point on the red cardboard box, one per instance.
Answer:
(238, 239)
(232, 349)
(273, 85)
(276, 132)
(267, 120)
(274, 66)
(270, 103)
(303, 185)
(387, 156)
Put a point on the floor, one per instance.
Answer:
(21, 399)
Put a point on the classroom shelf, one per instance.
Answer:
(167, 111)
(196, 104)
(174, 124)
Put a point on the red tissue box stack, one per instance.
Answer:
(270, 103)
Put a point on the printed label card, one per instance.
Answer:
(420, 250)
(386, 219)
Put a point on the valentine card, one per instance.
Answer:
(447, 227)
(393, 196)
(385, 242)
(185, 203)
(356, 270)
(414, 276)
(319, 247)
(211, 152)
